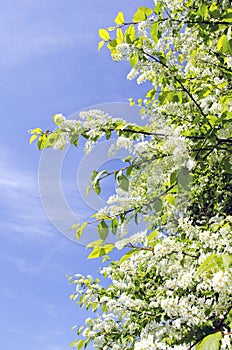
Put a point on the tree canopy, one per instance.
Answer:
(172, 289)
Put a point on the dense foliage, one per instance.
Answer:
(173, 287)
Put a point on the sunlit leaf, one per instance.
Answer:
(119, 18)
(211, 342)
(32, 138)
(101, 44)
(104, 34)
(141, 14)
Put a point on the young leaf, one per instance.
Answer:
(142, 13)
(32, 138)
(104, 34)
(36, 131)
(42, 141)
(100, 250)
(224, 45)
(130, 34)
(101, 44)
(79, 230)
(154, 32)
(119, 34)
(127, 255)
(215, 262)
(94, 243)
(96, 252)
(171, 199)
(134, 58)
(153, 236)
(119, 18)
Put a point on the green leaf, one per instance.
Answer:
(134, 58)
(112, 44)
(94, 243)
(123, 183)
(227, 164)
(215, 262)
(42, 141)
(80, 329)
(32, 138)
(100, 250)
(96, 252)
(203, 11)
(114, 226)
(79, 230)
(97, 187)
(101, 44)
(154, 32)
(103, 230)
(213, 7)
(184, 178)
(119, 35)
(119, 18)
(171, 199)
(173, 177)
(108, 247)
(228, 16)
(158, 8)
(36, 131)
(130, 34)
(157, 205)
(211, 342)
(153, 236)
(127, 159)
(104, 34)
(94, 174)
(78, 344)
(88, 190)
(81, 343)
(51, 139)
(224, 45)
(129, 170)
(141, 14)
(127, 255)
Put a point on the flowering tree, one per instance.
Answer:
(172, 289)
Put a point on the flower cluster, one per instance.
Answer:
(191, 297)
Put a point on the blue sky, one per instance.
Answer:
(49, 64)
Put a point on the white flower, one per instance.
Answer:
(124, 50)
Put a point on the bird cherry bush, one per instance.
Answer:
(172, 288)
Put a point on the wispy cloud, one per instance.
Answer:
(31, 264)
(21, 211)
(37, 27)
(44, 340)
